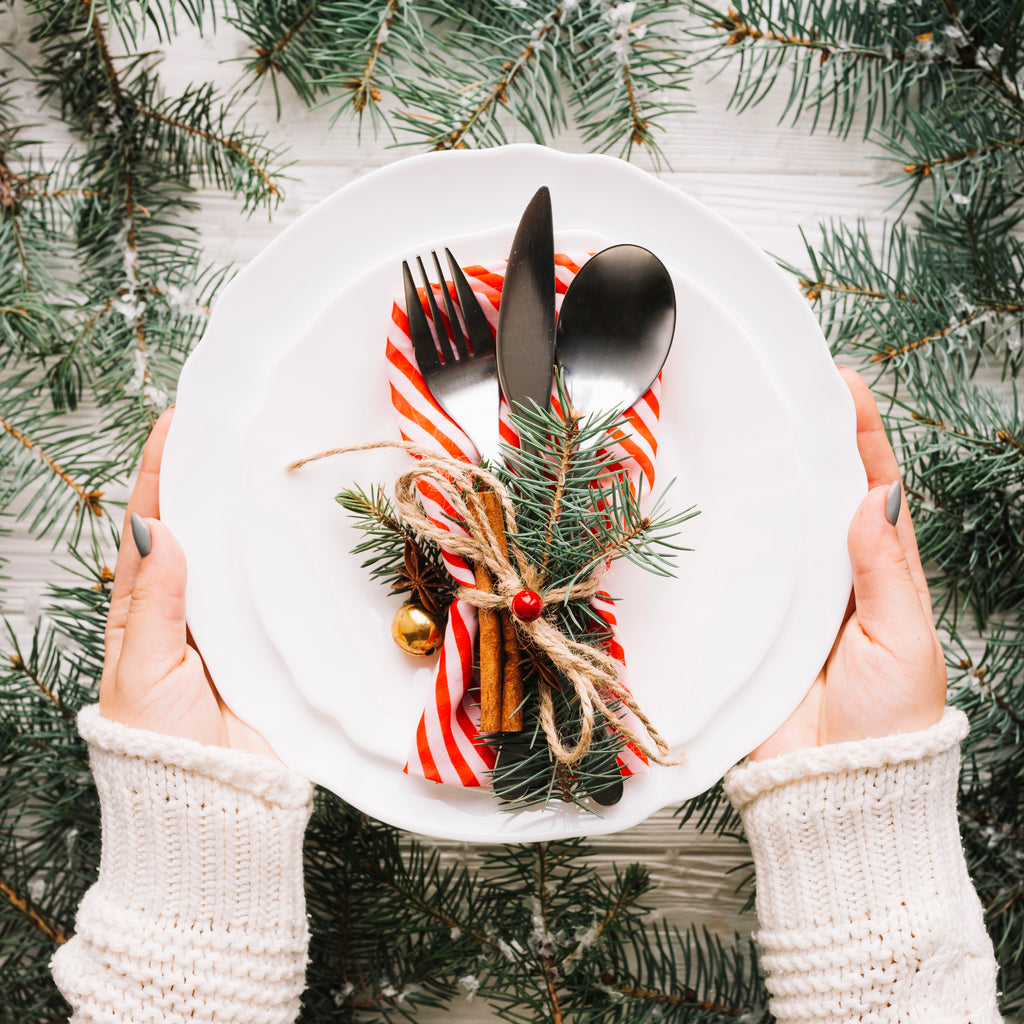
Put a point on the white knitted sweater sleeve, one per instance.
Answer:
(198, 913)
(865, 906)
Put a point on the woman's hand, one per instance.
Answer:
(886, 673)
(153, 678)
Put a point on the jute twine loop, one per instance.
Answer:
(593, 673)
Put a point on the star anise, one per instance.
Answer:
(538, 665)
(420, 575)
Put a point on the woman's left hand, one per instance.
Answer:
(153, 676)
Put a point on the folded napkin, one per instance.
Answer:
(447, 747)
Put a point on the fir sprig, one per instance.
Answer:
(576, 511)
(576, 508)
(965, 466)
(388, 544)
(972, 139)
(49, 821)
(840, 62)
(918, 304)
(456, 75)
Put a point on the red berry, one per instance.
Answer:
(527, 605)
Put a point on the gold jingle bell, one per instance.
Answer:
(416, 631)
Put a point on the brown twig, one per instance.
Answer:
(924, 169)
(11, 192)
(613, 912)
(219, 140)
(62, 193)
(10, 189)
(639, 134)
(455, 139)
(23, 905)
(1003, 437)
(90, 499)
(547, 958)
(686, 999)
(363, 85)
(1006, 438)
(740, 30)
(19, 663)
(812, 290)
(267, 55)
(417, 900)
(894, 353)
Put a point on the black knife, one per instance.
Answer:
(526, 317)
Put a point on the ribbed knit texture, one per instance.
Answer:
(865, 906)
(198, 913)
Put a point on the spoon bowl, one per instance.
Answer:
(615, 328)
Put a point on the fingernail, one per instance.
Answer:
(141, 535)
(893, 501)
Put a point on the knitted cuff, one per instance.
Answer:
(198, 912)
(866, 909)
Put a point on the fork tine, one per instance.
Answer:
(455, 331)
(477, 325)
(419, 327)
(447, 356)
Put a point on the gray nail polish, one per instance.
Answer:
(893, 501)
(141, 535)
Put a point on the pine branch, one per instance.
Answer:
(970, 140)
(49, 821)
(691, 976)
(456, 101)
(23, 906)
(222, 152)
(941, 295)
(349, 49)
(613, 64)
(711, 810)
(846, 61)
(32, 252)
(963, 469)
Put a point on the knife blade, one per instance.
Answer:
(525, 339)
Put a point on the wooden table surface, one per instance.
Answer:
(769, 179)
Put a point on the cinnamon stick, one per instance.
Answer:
(491, 647)
(512, 675)
(512, 678)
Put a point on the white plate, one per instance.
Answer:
(717, 618)
(385, 215)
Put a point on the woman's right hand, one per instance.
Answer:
(153, 677)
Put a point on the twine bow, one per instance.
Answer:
(593, 673)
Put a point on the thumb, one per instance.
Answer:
(154, 630)
(884, 593)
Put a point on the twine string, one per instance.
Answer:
(593, 673)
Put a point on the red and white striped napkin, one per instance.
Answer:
(447, 747)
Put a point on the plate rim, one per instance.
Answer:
(176, 455)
